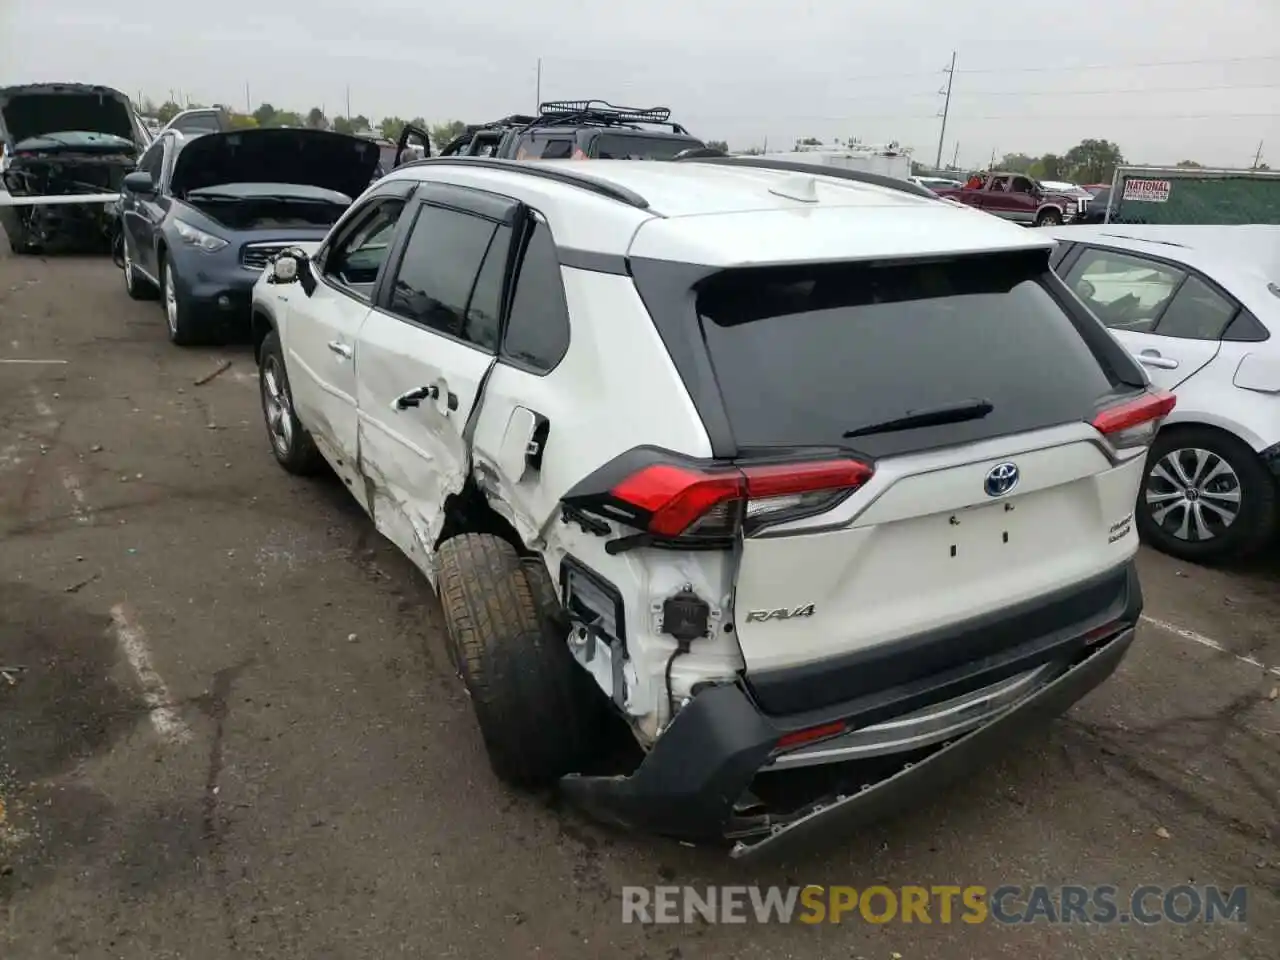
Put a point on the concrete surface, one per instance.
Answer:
(237, 735)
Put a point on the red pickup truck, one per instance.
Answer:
(1016, 197)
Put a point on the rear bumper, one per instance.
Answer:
(691, 784)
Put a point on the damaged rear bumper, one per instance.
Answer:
(692, 783)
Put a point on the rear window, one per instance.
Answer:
(612, 146)
(805, 354)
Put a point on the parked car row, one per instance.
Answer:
(665, 436)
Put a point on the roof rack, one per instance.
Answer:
(558, 174)
(601, 113)
(816, 169)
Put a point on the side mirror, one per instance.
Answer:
(284, 269)
(1085, 290)
(139, 182)
(293, 266)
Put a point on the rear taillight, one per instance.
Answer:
(675, 500)
(1133, 423)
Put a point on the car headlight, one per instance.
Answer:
(198, 238)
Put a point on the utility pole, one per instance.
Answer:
(955, 155)
(248, 104)
(946, 108)
(348, 101)
(537, 90)
(1257, 157)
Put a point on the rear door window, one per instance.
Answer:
(436, 286)
(1197, 312)
(1125, 291)
(805, 354)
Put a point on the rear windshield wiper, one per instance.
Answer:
(932, 417)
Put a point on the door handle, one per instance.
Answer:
(340, 348)
(415, 397)
(1152, 358)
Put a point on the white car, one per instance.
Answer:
(1199, 307)
(782, 466)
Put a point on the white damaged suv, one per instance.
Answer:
(824, 486)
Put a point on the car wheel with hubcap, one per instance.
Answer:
(182, 329)
(1050, 218)
(1205, 496)
(292, 445)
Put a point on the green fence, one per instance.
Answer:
(1181, 195)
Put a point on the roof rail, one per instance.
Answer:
(580, 180)
(816, 169)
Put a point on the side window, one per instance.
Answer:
(1197, 312)
(1021, 185)
(356, 259)
(537, 335)
(445, 271)
(557, 150)
(998, 184)
(1125, 292)
(1060, 253)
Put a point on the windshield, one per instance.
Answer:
(804, 354)
(621, 146)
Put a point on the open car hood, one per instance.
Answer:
(318, 158)
(36, 109)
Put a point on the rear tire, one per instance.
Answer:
(1231, 478)
(533, 710)
(290, 443)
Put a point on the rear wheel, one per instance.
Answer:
(1206, 496)
(534, 712)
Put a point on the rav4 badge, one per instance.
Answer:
(782, 613)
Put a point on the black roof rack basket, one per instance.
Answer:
(603, 113)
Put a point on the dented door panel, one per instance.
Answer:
(416, 391)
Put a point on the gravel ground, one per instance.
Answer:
(236, 733)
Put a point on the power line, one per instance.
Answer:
(963, 95)
(856, 117)
(1124, 66)
(1129, 90)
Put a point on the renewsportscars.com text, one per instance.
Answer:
(938, 904)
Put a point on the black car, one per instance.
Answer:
(203, 216)
(574, 130)
(1095, 211)
(59, 141)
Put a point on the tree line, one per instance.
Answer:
(1089, 161)
(267, 115)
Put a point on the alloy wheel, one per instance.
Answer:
(1193, 494)
(171, 301)
(277, 406)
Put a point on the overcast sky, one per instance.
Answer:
(1030, 76)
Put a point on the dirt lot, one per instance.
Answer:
(236, 733)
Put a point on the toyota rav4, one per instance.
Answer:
(822, 485)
